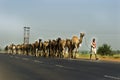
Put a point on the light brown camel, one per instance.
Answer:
(12, 48)
(62, 45)
(45, 48)
(18, 49)
(74, 44)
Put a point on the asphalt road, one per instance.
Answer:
(20, 67)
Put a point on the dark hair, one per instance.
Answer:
(93, 39)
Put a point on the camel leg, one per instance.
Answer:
(35, 52)
(63, 53)
(74, 53)
(69, 53)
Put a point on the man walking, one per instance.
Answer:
(93, 49)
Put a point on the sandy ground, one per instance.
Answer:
(104, 58)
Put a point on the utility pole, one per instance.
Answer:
(26, 35)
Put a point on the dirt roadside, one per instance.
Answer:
(110, 59)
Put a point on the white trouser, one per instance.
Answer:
(93, 51)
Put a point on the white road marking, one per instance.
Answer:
(112, 77)
(26, 59)
(37, 61)
(17, 57)
(59, 65)
(11, 56)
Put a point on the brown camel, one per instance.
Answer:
(74, 44)
(37, 46)
(52, 48)
(59, 47)
(56, 47)
(27, 49)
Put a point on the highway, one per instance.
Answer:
(21, 67)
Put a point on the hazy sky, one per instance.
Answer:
(50, 19)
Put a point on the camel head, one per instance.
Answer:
(81, 37)
(40, 40)
(82, 34)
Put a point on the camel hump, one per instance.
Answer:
(63, 41)
(75, 39)
(45, 43)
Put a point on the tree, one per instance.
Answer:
(105, 49)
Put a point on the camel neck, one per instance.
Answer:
(80, 40)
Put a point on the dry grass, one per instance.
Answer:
(115, 58)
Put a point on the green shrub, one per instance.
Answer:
(105, 49)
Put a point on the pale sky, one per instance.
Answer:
(50, 19)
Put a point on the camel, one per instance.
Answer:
(56, 48)
(37, 46)
(40, 47)
(45, 48)
(73, 45)
(76, 43)
(60, 47)
(12, 49)
(68, 46)
(52, 48)
(8, 49)
(27, 48)
(18, 49)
